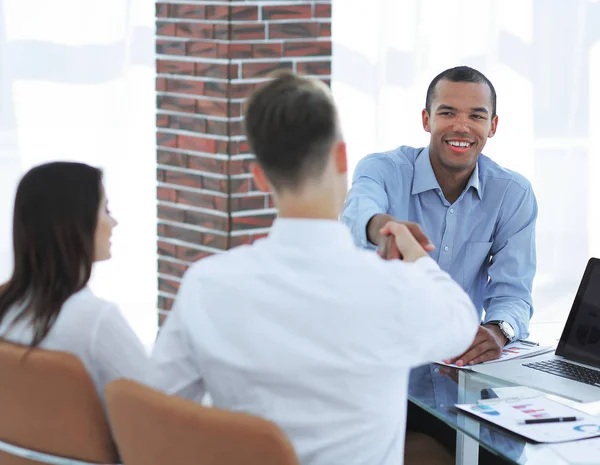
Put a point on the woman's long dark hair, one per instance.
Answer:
(54, 225)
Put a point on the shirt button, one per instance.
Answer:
(442, 405)
(436, 370)
(452, 210)
(446, 248)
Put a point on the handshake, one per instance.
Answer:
(399, 239)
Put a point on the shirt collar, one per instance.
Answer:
(305, 232)
(425, 180)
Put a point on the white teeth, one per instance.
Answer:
(459, 144)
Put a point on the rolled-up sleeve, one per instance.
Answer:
(507, 295)
(367, 196)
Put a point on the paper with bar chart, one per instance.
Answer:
(516, 349)
(510, 412)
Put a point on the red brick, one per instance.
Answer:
(187, 11)
(195, 30)
(223, 50)
(164, 248)
(325, 30)
(213, 70)
(217, 128)
(184, 86)
(162, 10)
(162, 318)
(196, 199)
(170, 47)
(191, 255)
(250, 202)
(240, 51)
(248, 31)
(221, 31)
(216, 89)
(192, 236)
(161, 84)
(243, 166)
(164, 303)
(170, 268)
(165, 29)
(166, 194)
(168, 285)
(166, 140)
(244, 13)
(170, 213)
(162, 121)
(217, 223)
(236, 128)
(208, 165)
(187, 123)
(241, 223)
(165, 157)
(274, 50)
(217, 13)
(255, 70)
(197, 144)
(236, 241)
(293, 30)
(201, 49)
(314, 67)
(183, 105)
(323, 10)
(308, 48)
(174, 67)
(182, 178)
(287, 12)
(211, 108)
(239, 148)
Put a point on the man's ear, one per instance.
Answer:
(493, 127)
(341, 157)
(425, 118)
(260, 178)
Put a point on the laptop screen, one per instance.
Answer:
(580, 340)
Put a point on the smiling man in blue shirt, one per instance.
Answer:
(479, 216)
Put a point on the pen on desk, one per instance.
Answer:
(550, 420)
(528, 343)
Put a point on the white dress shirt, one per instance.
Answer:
(307, 330)
(95, 331)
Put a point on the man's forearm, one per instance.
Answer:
(374, 226)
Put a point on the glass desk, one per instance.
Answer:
(436, 389)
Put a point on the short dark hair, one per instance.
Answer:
(291, 124)
(460, 74)
(54, 225)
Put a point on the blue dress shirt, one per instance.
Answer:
(485, 240)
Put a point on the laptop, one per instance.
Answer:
(573, 370)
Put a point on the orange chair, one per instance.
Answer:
(49, 404)
(152, 428)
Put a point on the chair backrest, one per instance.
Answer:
(152, 428)
(49, 404)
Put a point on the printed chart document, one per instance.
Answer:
(510, 413)
(517, 349)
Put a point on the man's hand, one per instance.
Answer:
(392, 236)
(488, 344)
(401, 242)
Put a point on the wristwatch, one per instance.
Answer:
(506, 328)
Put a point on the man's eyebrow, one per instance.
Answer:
(480, 110)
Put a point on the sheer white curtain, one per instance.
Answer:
(543, 57)
(77, 83)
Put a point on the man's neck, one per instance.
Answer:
(307, 205)
(451, 182)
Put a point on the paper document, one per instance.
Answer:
(509, 413)
(517, 349)
(580, 452)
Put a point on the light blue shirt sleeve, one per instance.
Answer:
(367, 197)
(507, 295)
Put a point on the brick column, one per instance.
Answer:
(209, 55)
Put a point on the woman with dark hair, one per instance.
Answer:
(61, 226)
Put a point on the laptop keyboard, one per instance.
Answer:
(567, 370)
